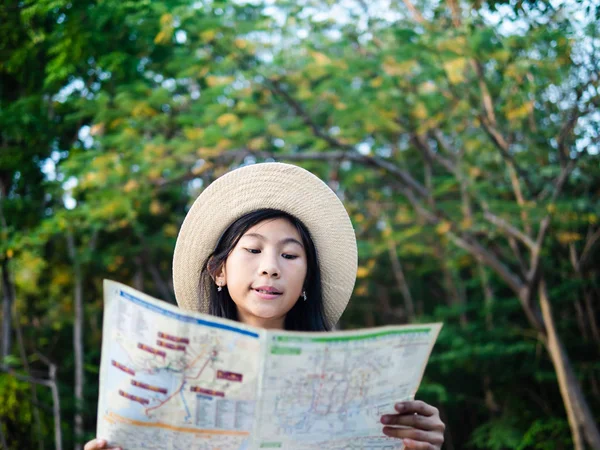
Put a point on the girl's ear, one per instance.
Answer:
(220, 276)
(217, 274)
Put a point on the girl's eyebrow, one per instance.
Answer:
(289, 240)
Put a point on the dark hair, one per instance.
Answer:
(304, 315)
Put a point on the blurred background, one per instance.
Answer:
(462, 136)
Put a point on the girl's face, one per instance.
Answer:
(265, 273)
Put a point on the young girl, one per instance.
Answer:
(270, 245)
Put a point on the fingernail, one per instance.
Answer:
(399, 406)
(385, 419)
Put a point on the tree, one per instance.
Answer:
(462, 141)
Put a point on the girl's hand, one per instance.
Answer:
(421, 426)
(98, 444)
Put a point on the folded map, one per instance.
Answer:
(174, 379)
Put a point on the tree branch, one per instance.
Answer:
(509, 229)
(276, 88)
(415, 12)
(26, 378)
(490, 125)
(367, 160)
(409, 303)
(504, 147)
(422, 144)
(473, 247)
(587, 250)
(535, 261)
(512, 242)
(573, 115)
(456, 14)
(486, 100)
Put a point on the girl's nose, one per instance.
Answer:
(269, 265)
(272, 273)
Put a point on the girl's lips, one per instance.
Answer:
(266, 296)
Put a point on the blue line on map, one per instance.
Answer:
(184, 403)
(184, 318)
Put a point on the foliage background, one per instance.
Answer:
(461, 136)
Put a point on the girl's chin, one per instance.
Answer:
(263, 319)
(265, 309)
(267, 312)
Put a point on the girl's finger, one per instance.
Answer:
(416, 406)
(99, 444)
(409, 443)
(418, 421)
(426, 437)
(95, 444)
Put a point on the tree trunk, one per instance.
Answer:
(488, 295)
(591, 314)
(52, 384)
(384, 306)
(581, 419)
(56, 408)
(456, 295)
(162, 286)
(6, 311)
(7, 289)
(138, 278)
(579, 265)
(34, 398)
(409, 304)
(581, 320)
(3, 443)
(490, 398)
(77, 340)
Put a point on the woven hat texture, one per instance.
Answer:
(280, 186)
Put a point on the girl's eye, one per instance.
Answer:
(286, 256)
(254, 251)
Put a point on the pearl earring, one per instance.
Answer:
(304, 295)
(219, 288)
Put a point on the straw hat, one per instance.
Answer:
(280, 186)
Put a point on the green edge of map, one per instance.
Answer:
(351, 337)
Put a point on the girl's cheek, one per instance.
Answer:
(243, 255)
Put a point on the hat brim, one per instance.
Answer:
(279, 186)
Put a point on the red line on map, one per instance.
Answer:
(169, 345)
(149, 349)
(231, 376)
(122, 367)
(201, 370)
(168, 398)
(148, 387)
(134, 398)
(179, 389)
(170, 337)
(207, 391)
